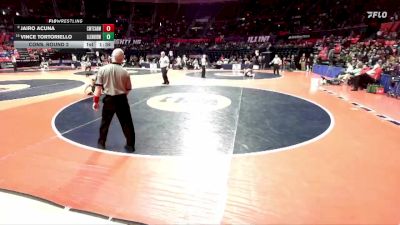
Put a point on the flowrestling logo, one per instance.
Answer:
(377, 14)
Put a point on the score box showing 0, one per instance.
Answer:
(108, 28)
(108, 36)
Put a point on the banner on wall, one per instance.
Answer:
(258, 39)
(127, 41)
(196, 40)
(296, 37)
(234, 39)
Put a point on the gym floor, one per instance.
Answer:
(221, 150)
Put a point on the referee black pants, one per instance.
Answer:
(119, 105)
(203, 71)
(276, 69)
(164, 75)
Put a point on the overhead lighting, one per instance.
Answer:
(17, 13)
(4, 12)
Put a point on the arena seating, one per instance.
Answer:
(224, 32)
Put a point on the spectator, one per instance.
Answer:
(369, 77)
(302, 62)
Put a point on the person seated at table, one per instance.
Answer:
(355, 72)
(141, 61)
(364, 69)
(349, 72)
(367, 77)
(218, 65)
(226, 61)
(189, 64)
(178, 64)
(184, 62)
(341, 78)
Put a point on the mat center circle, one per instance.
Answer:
(189, 102)
(13, 87)
(211, 120)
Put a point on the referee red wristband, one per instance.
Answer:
(96, 99)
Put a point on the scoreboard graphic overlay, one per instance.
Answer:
(63, 33)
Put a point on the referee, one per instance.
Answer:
(277, 62)
(116, 84)
(203, 66)
(14, 62)
(164, 63)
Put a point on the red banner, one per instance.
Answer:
(390, 26)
